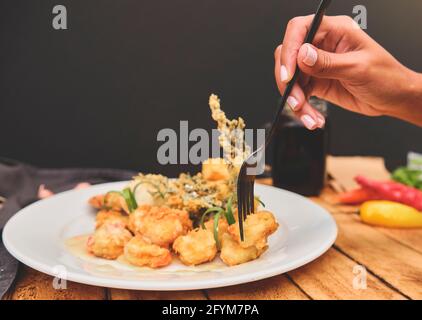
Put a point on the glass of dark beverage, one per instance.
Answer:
(299, 155)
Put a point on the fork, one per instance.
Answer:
(246, 179)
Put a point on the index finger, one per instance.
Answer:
(295, 35)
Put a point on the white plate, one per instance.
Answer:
(37, 235)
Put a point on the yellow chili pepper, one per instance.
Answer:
(390, 214)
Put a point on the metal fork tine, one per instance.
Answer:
(245, 200)
(239, 208)
(251, 197)
(248, 204)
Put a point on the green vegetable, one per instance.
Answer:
(259, 200)
(217, 210)
(215, 229)
(129, 197)
(229, 212)
(409, 177)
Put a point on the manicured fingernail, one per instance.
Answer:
(293, 103)
(284, 75)
(311, 56)
(321, 121)
(308, 121)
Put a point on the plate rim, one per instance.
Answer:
(169, 286)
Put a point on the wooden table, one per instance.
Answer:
(391, 259)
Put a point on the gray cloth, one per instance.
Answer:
(19, 183)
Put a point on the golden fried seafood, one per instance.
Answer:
(109, 240)
(222, 227)
(111, 200)
(141, 253)
(106, 215)
(160, 225)
(197, 247)
(257, 227)
(215, 169)
(232, 253)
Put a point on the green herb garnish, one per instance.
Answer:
(229, 212)
(259, 200)
(216, 210)
(129, 197)
(215, 229)
(409, 177)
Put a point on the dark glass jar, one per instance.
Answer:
(299, 155)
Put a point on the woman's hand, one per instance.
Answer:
(348, 68)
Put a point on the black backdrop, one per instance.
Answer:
(97, 94)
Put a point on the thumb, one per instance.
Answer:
(324, 64)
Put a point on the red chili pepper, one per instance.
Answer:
(356, 196)
(392, 191)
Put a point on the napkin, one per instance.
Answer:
(19, 184)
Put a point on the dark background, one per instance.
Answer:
(97, 94)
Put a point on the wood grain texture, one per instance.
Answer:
(275, 288)
(332, 277)
(345, 169)
(34, 285)
(408, 237)
(118, 294)
(394, 263)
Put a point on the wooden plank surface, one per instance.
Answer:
(120, 294)
(275, 288)
(344, 170)
(391, 261)
(411, 238)
(334, 276)
(34, 285)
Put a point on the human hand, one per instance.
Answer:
(345, 66)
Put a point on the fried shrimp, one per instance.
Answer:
(197, 247)
(111, 200)
(160, 225)
(106, 215)
(232, 253)
(222, 227)
(141, 253)
(215, 170)
(257, 227)
(109, 240)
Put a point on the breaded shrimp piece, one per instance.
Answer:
(215, 169)
(222, 227)
(109, 240)
(105, 215)
(141, 253)
(197, 247)
(232, 253)
(160, 225)
(257, 227)
(111, 200)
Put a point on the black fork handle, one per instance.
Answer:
(316, 22)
